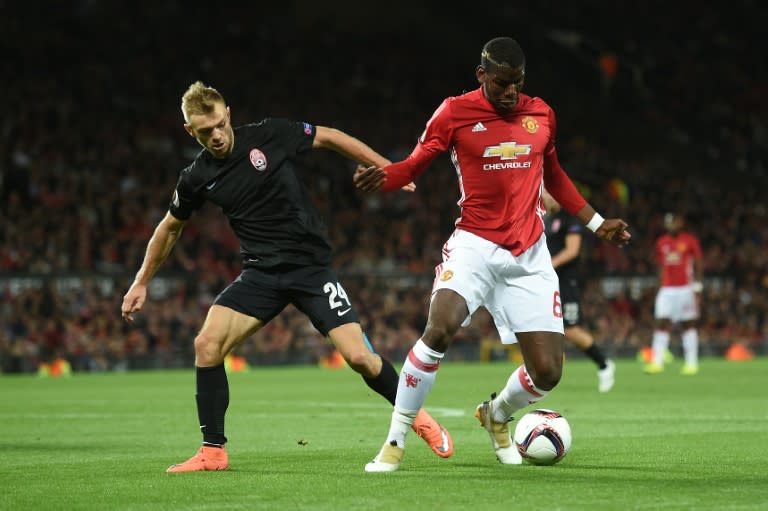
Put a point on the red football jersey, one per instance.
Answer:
(675, 254)
(501, 163)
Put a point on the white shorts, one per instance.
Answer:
(676, 303)
(521, 293)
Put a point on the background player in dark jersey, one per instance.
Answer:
(502, 144)
(250, 172)
(564, 237)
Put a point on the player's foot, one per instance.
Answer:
(689, 370)
(506, 451)
(434, 434)
(207, 458)
(388, 459)
(653, 368)
(605, 377)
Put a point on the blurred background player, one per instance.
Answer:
(564, 235)
(678, 254)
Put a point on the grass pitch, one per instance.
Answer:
(299, 438)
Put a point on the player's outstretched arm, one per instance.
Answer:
(348, 146)
(160, 244)
(372, 179)
(396, 176)
(352, 148)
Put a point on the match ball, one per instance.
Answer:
(543, 437)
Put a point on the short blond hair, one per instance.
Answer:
(200, 100)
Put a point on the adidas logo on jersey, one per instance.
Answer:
(478, 127)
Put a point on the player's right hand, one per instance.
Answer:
(369, 179)
(133, 301)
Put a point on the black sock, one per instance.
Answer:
(212, 402)
(386, 382)
(595, 354)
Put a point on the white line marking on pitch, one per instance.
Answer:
(434, 410)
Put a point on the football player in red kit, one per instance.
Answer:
(502, 144)
(678, 254)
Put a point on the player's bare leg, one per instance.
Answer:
(540, 373)
(351, 343)
(222, 330)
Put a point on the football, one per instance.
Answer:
(543, 437)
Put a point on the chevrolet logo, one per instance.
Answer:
(507, 150)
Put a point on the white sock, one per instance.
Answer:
(660, 346)
(416, 379)
(518, 393)
(691, 346)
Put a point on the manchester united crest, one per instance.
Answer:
(530, 124)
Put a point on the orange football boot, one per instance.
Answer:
(434, 434)
(207, 458)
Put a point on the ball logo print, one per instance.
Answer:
(543, 437)
(258, 160)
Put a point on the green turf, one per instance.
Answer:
(655, 442)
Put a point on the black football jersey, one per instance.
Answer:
(257, 188)
(557, 227)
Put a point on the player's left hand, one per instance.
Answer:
(614, 231)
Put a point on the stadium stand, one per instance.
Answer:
(92, 143)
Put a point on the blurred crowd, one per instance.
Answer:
(655, 113)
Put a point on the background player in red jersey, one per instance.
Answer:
(678, 254)
(502, 144)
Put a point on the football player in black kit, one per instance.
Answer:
(250, 172)
(564, 234)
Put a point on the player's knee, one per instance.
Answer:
(546, 376)
(438, 337)
(360, 360)
(207, 351)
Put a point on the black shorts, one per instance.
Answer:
(314, 290)
(569, 297)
